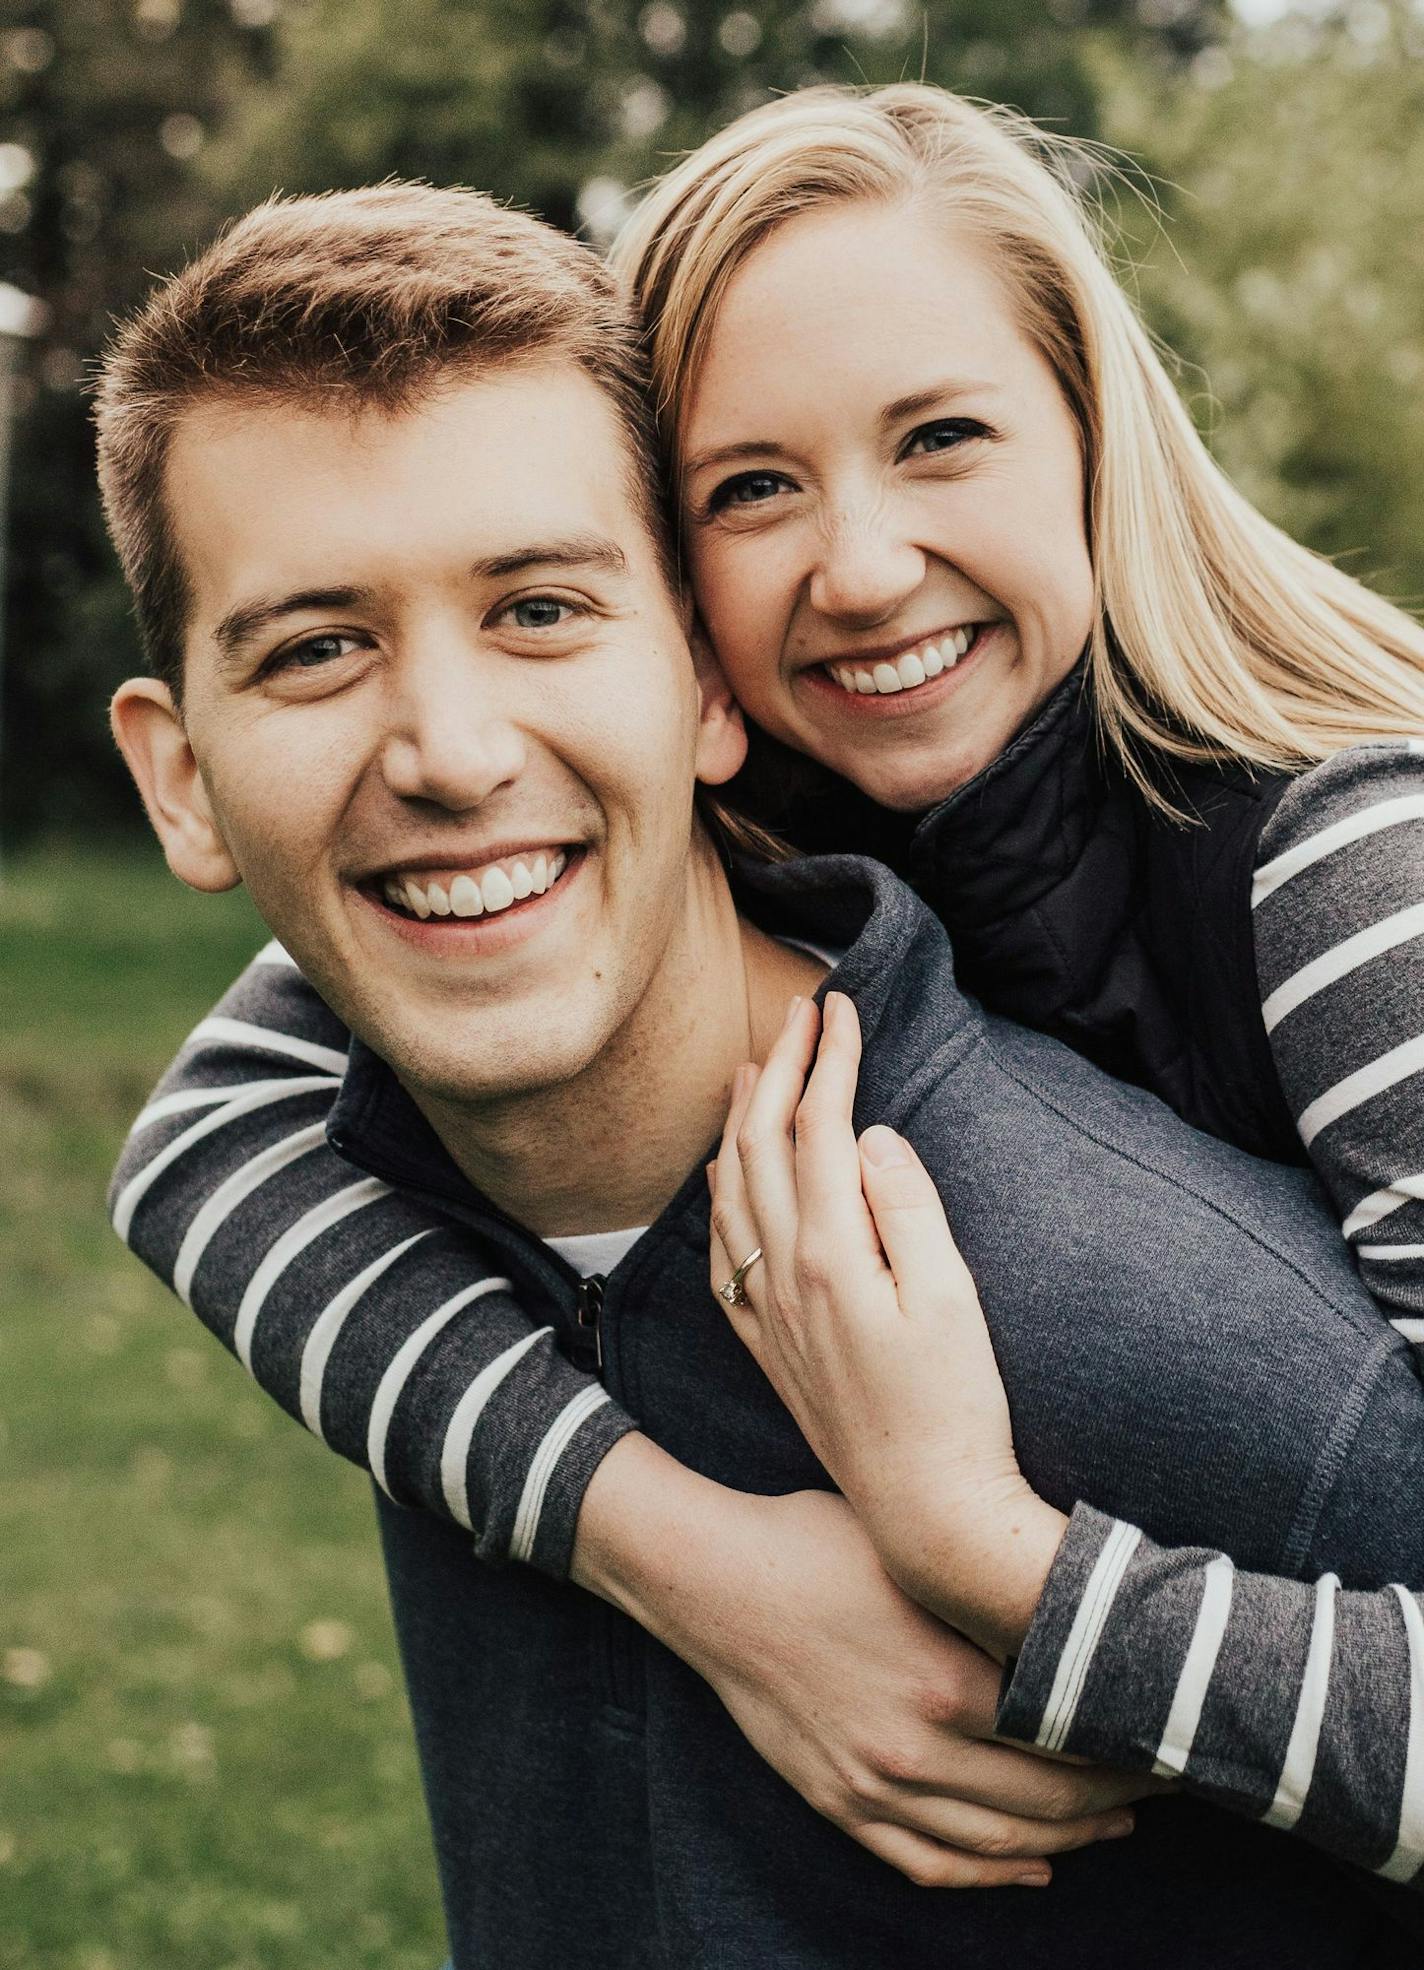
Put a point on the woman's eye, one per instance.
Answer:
(944, 436)
(540, 612)
(747, 489)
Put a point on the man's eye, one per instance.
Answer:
(314, 651)
(540, 612)
(944, 435)
(747, 489)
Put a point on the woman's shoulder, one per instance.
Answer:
(1355, 792)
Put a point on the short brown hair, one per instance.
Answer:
(366, 296)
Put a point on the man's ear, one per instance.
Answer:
(150, 735)
(722, 731)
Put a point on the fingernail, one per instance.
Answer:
(883, 1147)
(791, 1011)
(1120, 1826)
(711, 1169)
(1034, 1877)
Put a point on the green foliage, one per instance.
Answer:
(535, 103)
(110, 102)
(1292, 274)
(148, 122)
(207, 1758)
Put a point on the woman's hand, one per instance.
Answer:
(865, 1319)
(879, 1716)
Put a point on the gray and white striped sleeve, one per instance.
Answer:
(373, 1321)
(1301, 1704)
(1338, 910)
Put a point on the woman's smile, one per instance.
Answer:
(903, 684)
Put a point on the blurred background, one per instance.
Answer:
(204, 1757)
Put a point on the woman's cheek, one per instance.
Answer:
(743, 608)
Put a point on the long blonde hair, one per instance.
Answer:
(1215, 634)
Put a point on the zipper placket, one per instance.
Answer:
(615, 1647)
(588, 1339)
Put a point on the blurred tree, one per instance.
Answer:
(1292, 273)
(130, 128)
(566, 102)
(103, 109)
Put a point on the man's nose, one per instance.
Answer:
(450, 738)
(866, 566)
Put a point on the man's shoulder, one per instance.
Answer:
(1111, 1156)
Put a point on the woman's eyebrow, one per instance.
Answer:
(726, 454)
(937, 395)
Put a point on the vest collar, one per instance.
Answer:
(997, 846)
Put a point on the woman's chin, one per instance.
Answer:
(913, 783)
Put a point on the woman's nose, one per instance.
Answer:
(865, 570)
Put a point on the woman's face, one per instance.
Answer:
(884, 502)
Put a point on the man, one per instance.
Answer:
(380, 477)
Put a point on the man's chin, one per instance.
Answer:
(482, 1071)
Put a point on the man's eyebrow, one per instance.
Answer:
(240, 625)
(570, 551)
(893, 413)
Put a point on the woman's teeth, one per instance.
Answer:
(481, 894)
(915, 667)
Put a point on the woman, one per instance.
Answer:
(900, 570)
(840, 518)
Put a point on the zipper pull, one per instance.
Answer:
(590, 1317)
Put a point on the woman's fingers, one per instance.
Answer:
(1023, 1786)
(827, 1160)
(909, 1218)
(731, 1218)
(984, 1831)
(929, 1864)
(763, 1138)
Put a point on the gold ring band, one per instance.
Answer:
(732, 1292)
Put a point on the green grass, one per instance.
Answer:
(205, 1757)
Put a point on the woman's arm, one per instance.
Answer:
(1266, 1695)
(1302, 1705)
(1338, 918)
(371, 1320)
(375, 1323)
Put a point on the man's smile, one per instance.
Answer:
(482, 888)
(484, 908)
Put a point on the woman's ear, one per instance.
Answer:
(722, 732)
(150, 735)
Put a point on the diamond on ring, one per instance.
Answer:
(733, 1292)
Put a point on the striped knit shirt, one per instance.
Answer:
(370, 1317)
(1299, 1703)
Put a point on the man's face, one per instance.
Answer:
(446, 724)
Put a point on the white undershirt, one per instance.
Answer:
(595, 1251)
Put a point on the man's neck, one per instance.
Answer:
(610, 1148)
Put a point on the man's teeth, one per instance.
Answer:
(477, 895)
(915, 667)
